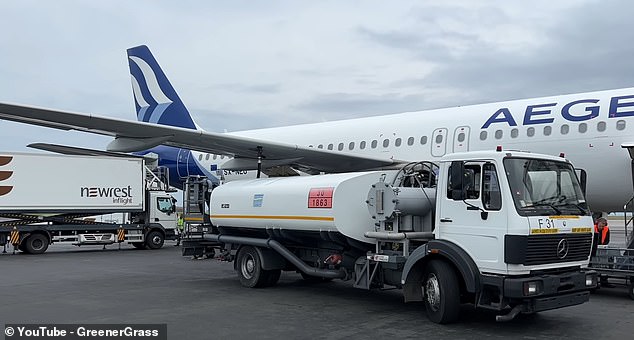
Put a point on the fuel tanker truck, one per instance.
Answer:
(506, 231)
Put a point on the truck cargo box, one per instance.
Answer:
(57, 183)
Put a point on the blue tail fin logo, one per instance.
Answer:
(155, 99)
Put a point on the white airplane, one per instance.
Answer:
(593, 130)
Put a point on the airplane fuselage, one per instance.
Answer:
(588, 128)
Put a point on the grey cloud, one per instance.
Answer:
(336, 105)
(257, 88)
(586, 48)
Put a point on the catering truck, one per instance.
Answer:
(51, 198)
(506, 231)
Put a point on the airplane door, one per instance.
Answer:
(461, 139)
(439, 142)
(182, 163)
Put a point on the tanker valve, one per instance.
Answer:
(333, 260)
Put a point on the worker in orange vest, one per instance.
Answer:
(602, 237)
(601, 228)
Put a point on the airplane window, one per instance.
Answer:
(362, 145)
(397, 142)
(410, 141)
(601, 126)
(320, 146)
(547, 130)
(583, 127)
(483, 135)
(374, 144)
(620, 125)
(330, 146)
(515, 133)
(564, 129)
(215, 156)
(386, 143)
(310, 146)
(206, 157)
(438, 139)
(423, 140)
(340, 147)
(461, 137)
(222, 156)
(200, 157)
(530, 132)
(351, 146)
(499, 134)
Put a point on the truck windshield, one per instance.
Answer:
(544, 187)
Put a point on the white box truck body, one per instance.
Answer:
(47, 198)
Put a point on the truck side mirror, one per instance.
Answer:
(456, 176)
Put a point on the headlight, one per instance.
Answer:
(591, 280)
(533, 288)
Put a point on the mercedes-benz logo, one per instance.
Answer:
(562, 248)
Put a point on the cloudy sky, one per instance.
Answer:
(250, 64)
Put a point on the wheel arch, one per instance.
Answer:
(449, 252)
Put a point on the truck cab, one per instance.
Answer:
(515, 228)
(514, 212)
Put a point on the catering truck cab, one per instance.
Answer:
(503, 230)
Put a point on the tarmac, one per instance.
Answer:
(203, 299)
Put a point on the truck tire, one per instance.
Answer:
(441, 292)
(630, 289)
(35, 244)
(154, 239)
(250, 270)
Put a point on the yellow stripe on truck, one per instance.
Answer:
(274, 217)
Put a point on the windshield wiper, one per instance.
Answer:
(549, 202)
(576, 205)
(544, 204)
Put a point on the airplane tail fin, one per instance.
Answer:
(155, 99)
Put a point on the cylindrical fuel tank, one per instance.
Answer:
(334, 202)
(385, 200)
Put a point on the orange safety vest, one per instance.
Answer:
(604, 233)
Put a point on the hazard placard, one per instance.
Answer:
(320, 197)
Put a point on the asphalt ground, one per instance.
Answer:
(203, 299)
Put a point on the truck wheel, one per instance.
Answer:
(250, 269)
(441, 292)
(630, 289)
(36, 244)
(154, 239)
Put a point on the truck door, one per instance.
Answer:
(464, 222)
(163, 210)
(461, 139)
(439, 142)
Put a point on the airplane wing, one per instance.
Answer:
(136, 136)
